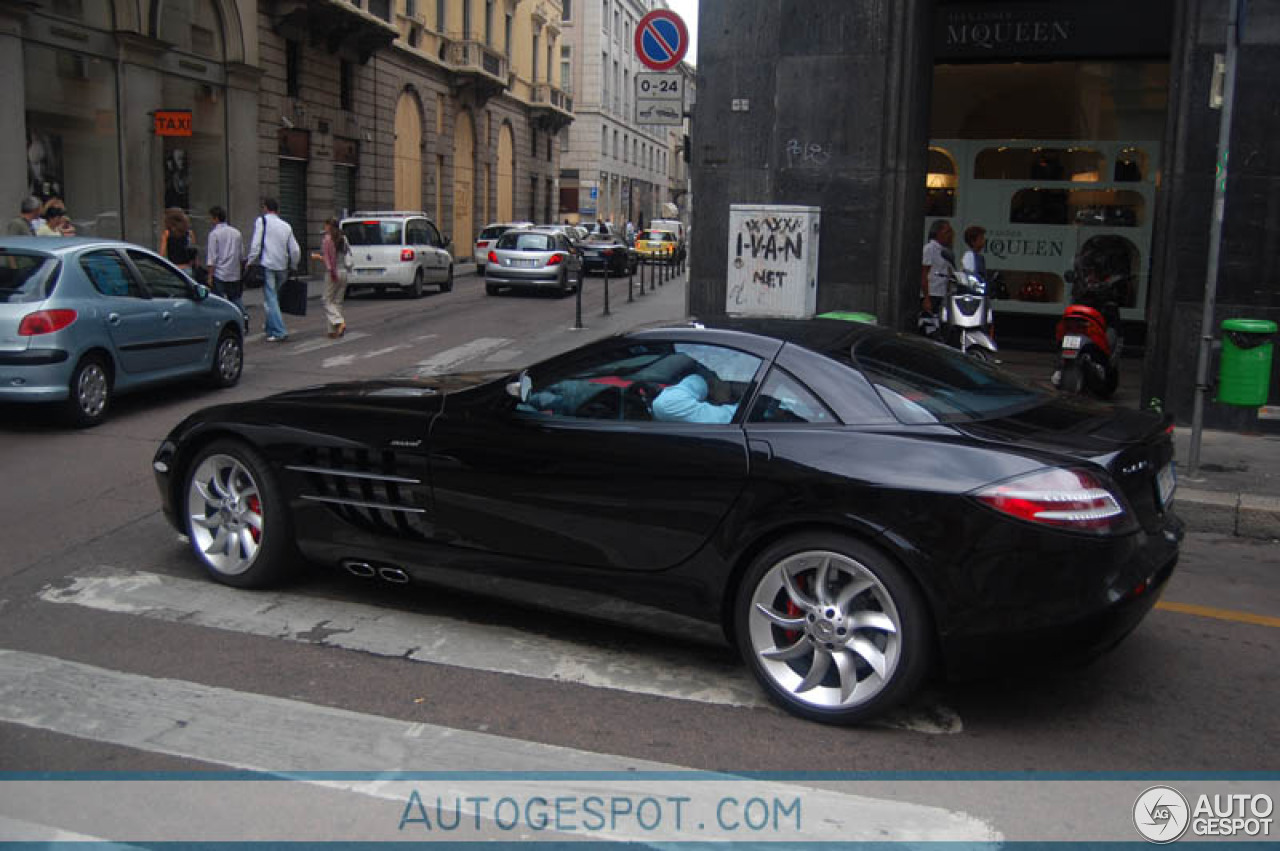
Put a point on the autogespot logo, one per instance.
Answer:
(1161, 814)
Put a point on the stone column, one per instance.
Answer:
(140, 95)
(244, 192)
(13, 115)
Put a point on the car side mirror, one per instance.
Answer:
(201, 292)
(521, 387)
(448, 240)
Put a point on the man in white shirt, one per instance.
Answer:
(274, 246)
(224, 255)
(938, 266)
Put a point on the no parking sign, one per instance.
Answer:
(662, 39)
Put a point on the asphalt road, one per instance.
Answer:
(103, 612)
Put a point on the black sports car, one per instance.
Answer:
(853, 505)
(602, 251)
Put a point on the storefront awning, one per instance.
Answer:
(338, 25)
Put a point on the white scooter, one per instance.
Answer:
(967, 315)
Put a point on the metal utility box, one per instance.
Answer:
(773, 260)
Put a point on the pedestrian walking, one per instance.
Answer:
(938, 265)
(336, 253)
(974, 262)
(275, 247)
(177, 242)
(224, 255)
(24, 223)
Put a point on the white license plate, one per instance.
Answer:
(524, 264)
(369, 271)
(1166, 484)
(1072, 341)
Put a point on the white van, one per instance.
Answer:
(397, 250)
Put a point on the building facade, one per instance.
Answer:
(1050, 123)
(613, 168)
(126, 107)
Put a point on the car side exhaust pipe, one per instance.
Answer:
(360, 568)
(394, 575)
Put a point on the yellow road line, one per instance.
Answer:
(1219, 614)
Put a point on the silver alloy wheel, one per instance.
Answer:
(92, 389)
(224, 505)
(825, 630)
(230, 355)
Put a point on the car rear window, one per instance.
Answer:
(926, 382)
(374, 232)
(516, 241)
(658, 236)
(26, 277)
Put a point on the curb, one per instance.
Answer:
(1243, 515)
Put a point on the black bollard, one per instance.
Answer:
(577, 297)
(653, 276)
(630, 283)
(606, 289)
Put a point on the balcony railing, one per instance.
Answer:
(468, 55)
(547, 95)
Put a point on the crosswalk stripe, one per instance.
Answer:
(449, 358)
(260, 733)
(680, 673)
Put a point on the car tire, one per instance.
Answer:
(236, 517)
(842, 657)
(447, 284)
(415, 289)
(89, 392)
(228, 360)
(563, 288)
(490, 289)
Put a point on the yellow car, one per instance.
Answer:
(657, 245)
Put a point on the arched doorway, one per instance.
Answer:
(464, 179)
(408, 153)
(506, 174)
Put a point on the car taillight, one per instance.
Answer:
(1067, 499)
(493, 258)
(407, 255)
(482, 243)
(45, 322)
(555, 259)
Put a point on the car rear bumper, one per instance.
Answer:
(533, 279)
(34, 375)
(393, 276)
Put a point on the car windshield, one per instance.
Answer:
(26, 277)
(493, 232)
(518, 241)
(925, 382)
(373, 232)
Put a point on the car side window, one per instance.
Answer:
(433, 235)
(783, 399)
(107, 271)
(645, 381)
(161, 281)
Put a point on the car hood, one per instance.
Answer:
(1070, 426)
(391, 392)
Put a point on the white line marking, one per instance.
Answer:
(347, 360)
(684, 672)
(503, 356)
(449, 358)
(270, 734)
(326, 343)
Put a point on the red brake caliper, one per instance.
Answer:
(794, 611)
(255, 505)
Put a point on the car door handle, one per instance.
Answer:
(763, 447)
(113, 319)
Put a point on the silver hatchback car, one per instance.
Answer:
(83, 319)
(537, 258)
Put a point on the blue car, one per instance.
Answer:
(83, 319)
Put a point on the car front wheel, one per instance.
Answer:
(236, 517)
(228, 360)
(447, 284)
(833, 629)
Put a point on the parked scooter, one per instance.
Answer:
(1089, 333)
(967, 316)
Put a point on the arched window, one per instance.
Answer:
(940, 184)
(192, 26)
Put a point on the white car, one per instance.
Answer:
(397, 250)
(488, 236)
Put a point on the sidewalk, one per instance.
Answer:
(1236, 490)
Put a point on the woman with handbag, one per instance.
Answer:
(336, 253)
(177, 243)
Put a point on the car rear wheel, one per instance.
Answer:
(415, 289)
(563, 286)
(236, 517)
(490, 289)
(89, 396)
(447, 285)
(228, 360)
(833, 629)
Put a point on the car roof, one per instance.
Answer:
(820, 335)
(361, 215)
(62, 244)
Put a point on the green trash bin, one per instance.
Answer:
(849, 316)
(1244, 374)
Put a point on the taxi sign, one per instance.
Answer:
(173, 122)
(661, 40)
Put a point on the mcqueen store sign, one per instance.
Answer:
(1047, 30)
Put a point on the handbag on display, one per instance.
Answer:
(254, 276)
(293, 297)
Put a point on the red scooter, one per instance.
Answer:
(1089, 335)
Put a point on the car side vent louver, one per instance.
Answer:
(385, 493)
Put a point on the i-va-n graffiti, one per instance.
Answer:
(773, 239)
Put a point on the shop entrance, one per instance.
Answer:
(1047, 128)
